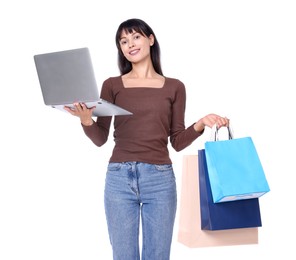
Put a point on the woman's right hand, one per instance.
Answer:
(80, 110)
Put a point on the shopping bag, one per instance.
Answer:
(190, 233)
(228, 215)
(235, 170)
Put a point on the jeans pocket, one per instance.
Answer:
(165, 170)
(164, 167)
(114, 167)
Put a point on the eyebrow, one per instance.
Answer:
(133, 33)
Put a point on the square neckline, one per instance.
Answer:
(123, 86)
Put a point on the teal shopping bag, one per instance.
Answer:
(235, 170)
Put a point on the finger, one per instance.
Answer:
(83, 106)
(77, 107)
(224, 121)
(68, 109)
(71, 110)
(221, 122)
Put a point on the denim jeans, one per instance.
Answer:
(134, 189)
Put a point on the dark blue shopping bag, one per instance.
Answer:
(225, 215)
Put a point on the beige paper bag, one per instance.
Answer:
(189, 230)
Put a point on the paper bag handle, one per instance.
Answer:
(215, 131)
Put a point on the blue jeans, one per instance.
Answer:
(135, 189)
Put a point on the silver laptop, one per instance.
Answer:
(67, 77)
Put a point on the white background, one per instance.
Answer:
(236, 58)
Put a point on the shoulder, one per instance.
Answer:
(111, 86)
(112, 80)
(175, 85)
(175, 88)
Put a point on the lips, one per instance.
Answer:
(134, 52)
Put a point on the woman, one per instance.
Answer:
(140, 181)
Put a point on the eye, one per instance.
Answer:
(123, 42)
(137, 36)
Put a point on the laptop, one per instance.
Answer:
(67, 77)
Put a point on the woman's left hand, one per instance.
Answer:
(209, 121)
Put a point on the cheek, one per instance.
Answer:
(124, 51)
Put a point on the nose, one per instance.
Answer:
(131, 44)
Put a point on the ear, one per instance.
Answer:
(151, 39)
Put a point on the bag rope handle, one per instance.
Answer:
(215, 131)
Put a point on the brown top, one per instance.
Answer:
(158, 114)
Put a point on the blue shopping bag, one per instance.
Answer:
(235, 170)
(228, 215)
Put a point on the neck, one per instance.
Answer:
(142, 70)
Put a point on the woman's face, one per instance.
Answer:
(135, 46)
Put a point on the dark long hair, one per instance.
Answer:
(143, 28)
